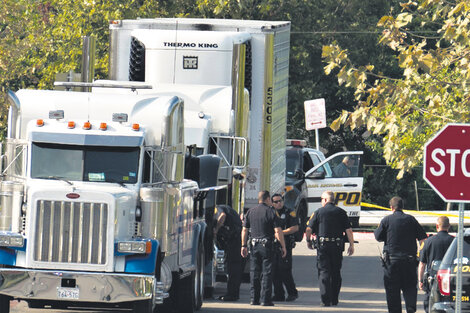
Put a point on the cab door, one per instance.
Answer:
(340, 173)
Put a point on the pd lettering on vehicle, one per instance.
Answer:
(348, 198)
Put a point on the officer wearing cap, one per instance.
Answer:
(329, 223)
(282, 272)
(434, 249)
(227, 232)
(399, 232)
(264, 226)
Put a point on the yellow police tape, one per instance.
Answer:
(368, 205)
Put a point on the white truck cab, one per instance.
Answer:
(309, 174)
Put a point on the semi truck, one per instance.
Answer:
(107, 195)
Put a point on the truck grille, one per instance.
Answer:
(71, 232)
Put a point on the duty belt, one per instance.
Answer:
(327, 239)
(260, 240)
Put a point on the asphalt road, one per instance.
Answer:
(362, 289)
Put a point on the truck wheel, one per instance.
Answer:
(145, 306)
(302, 215)
(185, 294)
(208, 292)
(4, 304)
(199, 279)
(169, 304)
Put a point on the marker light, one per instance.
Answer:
(116, 22)
(87, 125)
(136, 127)
(71, 124)
(39, 123)
(103, 126)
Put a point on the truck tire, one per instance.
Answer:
(303, 218)
(145, 306)
(4, 304)
(199, 279)
(208, 292)
(185, 294)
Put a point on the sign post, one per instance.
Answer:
(315, 117)
(447, 171)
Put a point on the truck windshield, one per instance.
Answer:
(85, 163)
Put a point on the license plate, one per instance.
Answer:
(67, 293)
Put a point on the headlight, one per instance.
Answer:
(11, 240)
(134, 246)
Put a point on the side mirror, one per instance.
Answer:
(299, 174)
(317, 175)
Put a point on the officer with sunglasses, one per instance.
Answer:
(282, 267)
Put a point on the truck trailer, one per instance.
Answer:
(107, 196)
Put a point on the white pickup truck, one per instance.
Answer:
(309, 174)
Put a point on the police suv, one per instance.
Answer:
(443, 287)
(309, 174)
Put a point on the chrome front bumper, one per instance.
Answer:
(92, 287)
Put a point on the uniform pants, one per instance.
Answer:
(401, 275)
(329, 261)
(282, 275)
(234, 267)
(261, 260)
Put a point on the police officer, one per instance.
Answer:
(282, 271)
(227, 232)
(434, 249)
(399, 232)
(329, 223)
(264, 226)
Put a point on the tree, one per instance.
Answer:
(431, 42)
(42, 38)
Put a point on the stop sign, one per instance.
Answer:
(447, 163)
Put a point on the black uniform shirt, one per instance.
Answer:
(288, 217)
(435, 247)
(261, 220)
(329, 221)
(399, 232)
(232, 219)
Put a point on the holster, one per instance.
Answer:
(385, 259)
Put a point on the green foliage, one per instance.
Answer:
(431, 91)
(39, 39)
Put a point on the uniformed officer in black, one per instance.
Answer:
(282, 267)
(434, 249)
(399, 232)
(264, 226)
(227, 231)
(329, 223)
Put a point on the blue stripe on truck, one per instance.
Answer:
(142, 263)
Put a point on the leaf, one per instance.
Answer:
(403, 19)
